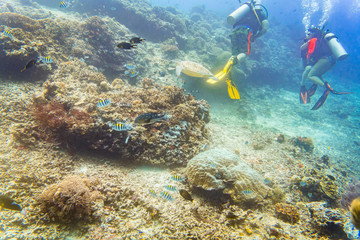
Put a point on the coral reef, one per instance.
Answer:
(219, 169)
(287, 212)
(70, 200)
(304, 143)
(69, 102)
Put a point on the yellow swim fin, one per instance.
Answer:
(223, 73)
(232, 90)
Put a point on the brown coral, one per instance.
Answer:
(69, 200)
(287, 212)
(15, 20)
(305, 143)
(53, 115)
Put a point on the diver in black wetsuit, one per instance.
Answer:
(319, 53)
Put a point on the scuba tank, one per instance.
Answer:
(239, 13)
(243, 10)
(335, 46)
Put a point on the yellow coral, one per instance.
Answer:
(287, 212)
(355, 212)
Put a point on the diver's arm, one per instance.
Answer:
(264, 28)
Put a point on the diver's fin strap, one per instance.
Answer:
(249, 43)
(327, 86)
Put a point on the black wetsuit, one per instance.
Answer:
(241, 30)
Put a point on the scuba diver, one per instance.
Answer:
(320, 52)
(249, 22)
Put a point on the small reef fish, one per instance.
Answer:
(170, 187)
(125, 45)
(30, 64)
(132, 73)
(45, 60)
(136, 40)
(104, 103)
(7, 33)
(166, 196)
(177, 178)
(8, 203)
(150, 118)
(247, 191)
(152, 193)
(267, 181)
(302, 183)
(64, 4)
(185, 194)
(310, 195)
(122, 126)
(212, 164)
(126, 105)
(129, 66)
(231, 216)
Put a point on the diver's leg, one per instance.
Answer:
(320, 67)
(305, 75)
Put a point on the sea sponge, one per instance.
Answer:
(287, 212)
(69, 200)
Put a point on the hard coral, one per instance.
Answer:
(287, 212)
(305, 143)
(15, 20)
(69, 201)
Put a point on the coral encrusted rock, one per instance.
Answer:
(219, 169)
(68, 106)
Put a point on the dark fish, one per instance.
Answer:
(357, 143)
(166, 196)
(30, 64)
(231, 216)
(136, 40)
(125, 45)
(149, 118)
(185, 194)
(8, 203)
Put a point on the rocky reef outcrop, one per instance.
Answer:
(219, 169)
(68, 106)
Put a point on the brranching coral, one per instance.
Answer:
(70, 200)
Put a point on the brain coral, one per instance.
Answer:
(219, 169)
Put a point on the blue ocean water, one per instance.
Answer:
(174, 31)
